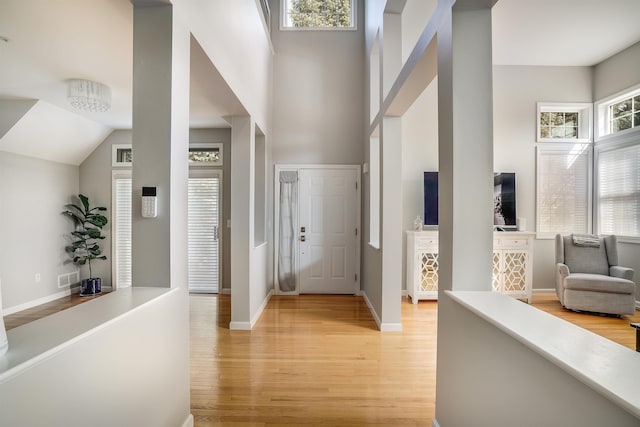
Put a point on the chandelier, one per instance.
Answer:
(89, 96)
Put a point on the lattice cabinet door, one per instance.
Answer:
(422, 265)
(514, 271)
(496, 271)
(428, 262)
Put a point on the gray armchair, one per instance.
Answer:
(588, 277)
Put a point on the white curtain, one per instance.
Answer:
(288, 225)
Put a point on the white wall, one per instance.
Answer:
(415, 16)
(499, 379)
(120, 360)
(33, 231)
(516, 91)
(419, 154)
(318, 99)
(617, 73)
(232, 34)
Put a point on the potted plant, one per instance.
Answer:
(84, 248)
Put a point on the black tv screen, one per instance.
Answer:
(504, 200)
(430, 198)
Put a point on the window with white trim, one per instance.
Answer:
(564, 122)
(618, 114)
(318, 14)
(563, 189)
(618, 190)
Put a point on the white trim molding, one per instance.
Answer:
(40, 301)
(247, 326)
(188, 422)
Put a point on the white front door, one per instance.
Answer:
(329, 201)
(204, 230)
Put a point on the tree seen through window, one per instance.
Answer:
(318, 13)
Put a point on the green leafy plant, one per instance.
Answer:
(89, 221)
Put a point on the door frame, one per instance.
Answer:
(276, 221)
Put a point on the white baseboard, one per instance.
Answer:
(371, 309)
(391, 327)
(247, 326)
(16, 308)
(240, 326)
(544, 291)
(434, 423)
(404, 293)
(383, 327)
(225, 291)
(637, 305)
(256, 316)
(188, 422)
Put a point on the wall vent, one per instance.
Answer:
(66, 280)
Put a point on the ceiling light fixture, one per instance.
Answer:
(89, 96)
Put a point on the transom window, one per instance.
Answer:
(564, 122)
(557, 124)
(318, 14)
(618, 114)
(624, 114)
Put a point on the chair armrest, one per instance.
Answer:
(562, 271)
(621, 272)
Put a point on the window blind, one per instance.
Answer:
(203, 211)
(122, 232)
(563, 191)
(619, 191)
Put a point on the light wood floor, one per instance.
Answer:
(614, 328)
(25, 316)
(312, 360)
(319, 360)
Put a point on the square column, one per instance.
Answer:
(391, 241)
(161, 66)
(465, 126)
(243, 143)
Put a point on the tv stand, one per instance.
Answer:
(512, 269)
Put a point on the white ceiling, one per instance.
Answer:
(54, 40)
(563, 32)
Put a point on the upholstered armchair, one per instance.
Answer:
(588, 277)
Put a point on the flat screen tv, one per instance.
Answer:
(504, 200)
(430, 198)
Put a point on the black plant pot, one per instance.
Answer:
(89, 287)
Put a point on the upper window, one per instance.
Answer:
(619, 113)
(318, 14)
(564, 122)
(624, 114)
(205, 154)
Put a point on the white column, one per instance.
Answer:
(160, 139)
(242, 219)
(465, 126)
(391, 239)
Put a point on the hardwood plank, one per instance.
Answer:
(312, 360)
(29, 315)
(614, 328)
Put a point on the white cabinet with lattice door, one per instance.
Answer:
(513, 264)
(422, 265)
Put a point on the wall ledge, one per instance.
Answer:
(608, 368)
